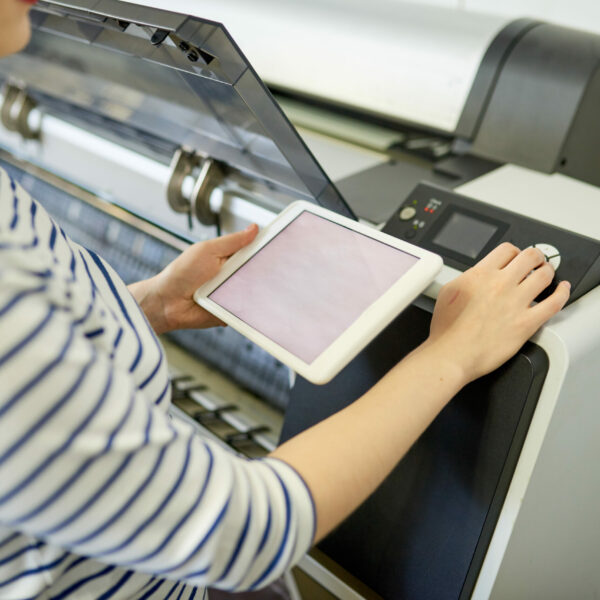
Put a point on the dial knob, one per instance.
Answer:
(551, 253)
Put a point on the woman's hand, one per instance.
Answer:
(167, 298)
(484, 316)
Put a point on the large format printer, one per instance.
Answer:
(143, 130)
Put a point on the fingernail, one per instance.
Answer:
(567, 284)
(249, 227)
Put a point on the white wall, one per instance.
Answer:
(581, 14)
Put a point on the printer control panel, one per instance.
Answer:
(463, 230)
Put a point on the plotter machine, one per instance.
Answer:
(143, 130)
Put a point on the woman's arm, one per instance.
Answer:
(481, 319)
(344, 458)
(90, 464)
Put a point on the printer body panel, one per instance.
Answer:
(425, 531)
(442, 524)
(119, 143)
(409, 62)
(548, 542)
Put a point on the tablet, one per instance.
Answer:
(314, 288)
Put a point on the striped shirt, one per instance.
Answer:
(103, 494)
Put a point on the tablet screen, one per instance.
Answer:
(307, 285)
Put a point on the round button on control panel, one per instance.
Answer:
(551, 253)
(407, 213)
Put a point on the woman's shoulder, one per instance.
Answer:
(7, 192)
(26, 231)
(17, 212)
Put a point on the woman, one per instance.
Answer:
(102, 495)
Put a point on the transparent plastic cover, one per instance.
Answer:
(170, 78)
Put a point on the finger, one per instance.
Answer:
(499, 257)
(526, 261)
(534, 284)
(229, 244)
(547, 308)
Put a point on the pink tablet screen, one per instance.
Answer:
(310, 283)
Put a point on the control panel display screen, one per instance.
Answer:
(465, 235)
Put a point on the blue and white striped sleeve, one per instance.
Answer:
(89, 464)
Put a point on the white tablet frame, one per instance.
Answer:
(370, 323)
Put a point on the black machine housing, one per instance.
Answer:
(535, 99)
(424, 533)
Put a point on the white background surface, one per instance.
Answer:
(581, 14)
(414, 60)
(415, 63)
